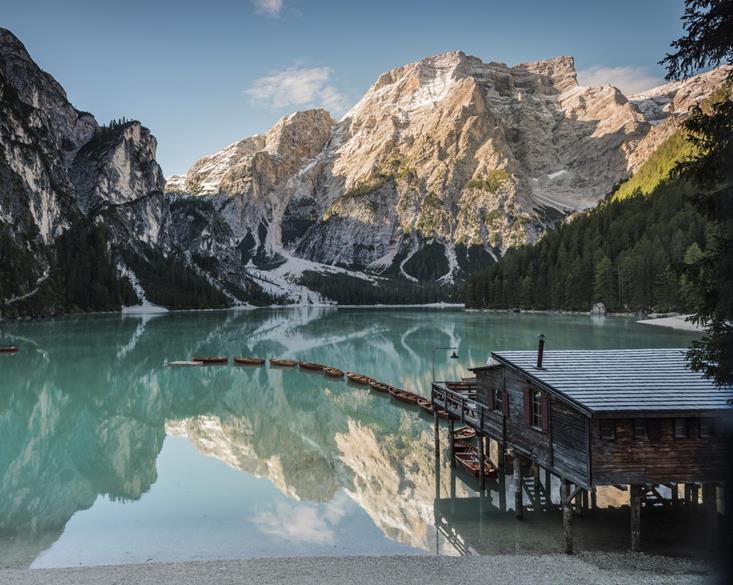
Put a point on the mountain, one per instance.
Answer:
(82, 208)
(442, 166)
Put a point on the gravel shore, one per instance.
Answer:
(585, 568)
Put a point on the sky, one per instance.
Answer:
(204, 74)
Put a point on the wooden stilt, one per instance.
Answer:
(536, 481)
(548, 488)
(593, 499)
(695, 494)
(688, 493)
(674, 499)
(579, 504)
(500, 462)
(635, 501)
(437, 437)
(585, 500)
(518, 499)
(451, 442)
(502, 491)
(710, 501)
(567, 515)
(481, 466)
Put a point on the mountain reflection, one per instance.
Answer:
(86, 405)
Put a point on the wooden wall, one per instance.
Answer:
(632, 457)
(561, 445)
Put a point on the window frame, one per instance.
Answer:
(679, 428)
(607, 429)
(535, 409)
(498, 400)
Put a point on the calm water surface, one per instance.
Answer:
(107, 457)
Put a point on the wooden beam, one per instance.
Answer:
(635, 501)
(452, 442)
(437, 437)
(481, 465)
(567, 516)
(518, 499)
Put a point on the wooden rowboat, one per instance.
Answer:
(358, 378)
(464, 433)
(470, 462)
(378, 386)
(219, 359)
(311, 366)
(248, 361)
(9, 349)
(333, 372)
(426, 405)
(283, 363)
(403, 395)
(183, 364)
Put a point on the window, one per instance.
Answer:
(608, 429)
(654, 429)
(639, 428)
(680, 428)
(536, 412)
(707, 429)
(499, 399)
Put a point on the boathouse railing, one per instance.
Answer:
(459, 406)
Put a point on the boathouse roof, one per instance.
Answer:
(617, 380)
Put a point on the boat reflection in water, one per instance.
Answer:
(108, 457)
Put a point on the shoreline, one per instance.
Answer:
(585, 567)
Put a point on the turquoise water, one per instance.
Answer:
(108, 457)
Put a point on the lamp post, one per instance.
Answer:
(453, 356)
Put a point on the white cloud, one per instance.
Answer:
(268, 7)
(301, 522)
(629, 80)
(297, 86)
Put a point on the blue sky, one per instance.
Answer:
(201, 75)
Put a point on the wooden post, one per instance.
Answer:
(481, 466)
(452, 443)
(567, 515)
(585, 500)
(710, 501)
(536, 482)
(500, 463)
(635, 501)
(675, 494)
(502, 490)
(593, 501)
(548, 489)
(518, 499)
(695, 494)
(688, 493)
(437, 437)
(579, 504)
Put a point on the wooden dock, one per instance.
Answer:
(636, 418)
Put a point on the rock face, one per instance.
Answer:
(68, 184)
(474, 157)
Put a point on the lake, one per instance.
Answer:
(107, 457)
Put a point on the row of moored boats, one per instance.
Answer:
(399, 394)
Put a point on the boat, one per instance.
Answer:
(219, 359)
(426, 405)
(9, 349)
(403, 395)
(358, 378)
(182, 364)
(283, 363)
(468, 379)
(469, 460)
(378, 386)
(333, 372)
(464, 433)
(311, 366)
(248, 361)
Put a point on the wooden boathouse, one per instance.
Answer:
(638, 418)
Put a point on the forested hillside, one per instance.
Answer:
(625, 253)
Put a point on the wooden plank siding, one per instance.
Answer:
(630, 457)
(561, 445)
